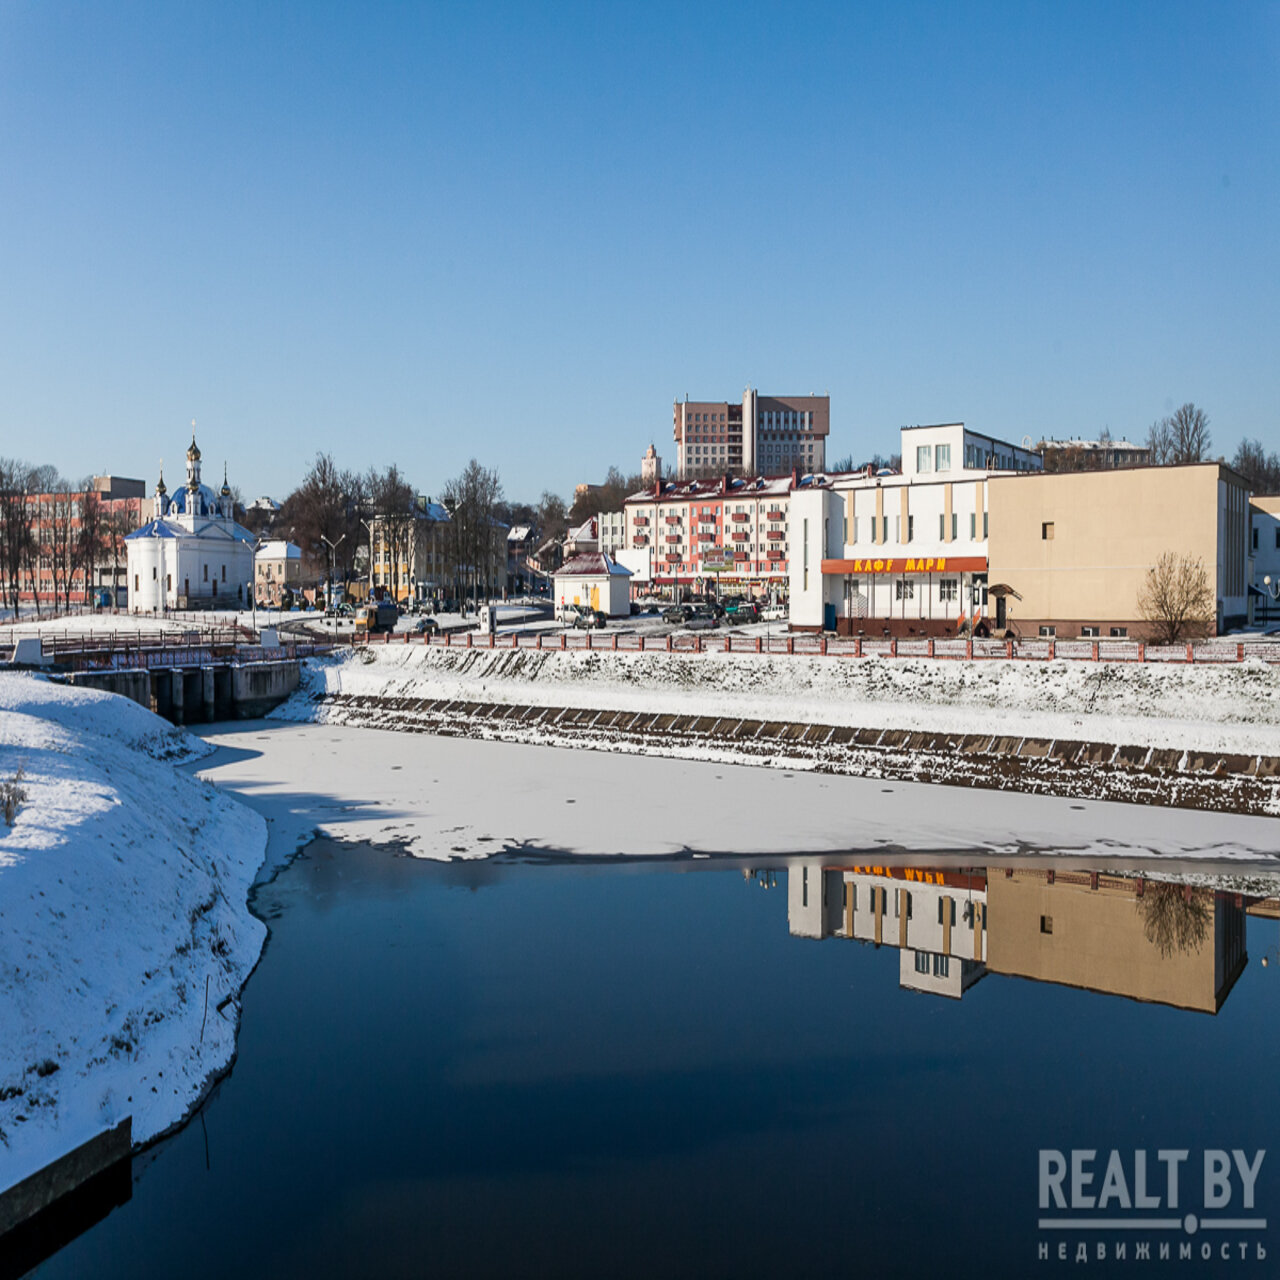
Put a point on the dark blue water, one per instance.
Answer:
(505, 1070)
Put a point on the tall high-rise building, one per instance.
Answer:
(766, 435)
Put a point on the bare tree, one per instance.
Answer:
(1260, 468)
(475, 541)
(117, 525)
(1160, 443)
(17, 518)
(1175, 917)
(1176, 597)
(391, 499)
(60, 540)
(1182, 438)
(90, 539)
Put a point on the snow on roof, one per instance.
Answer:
(278, 549)
(590, 564)
(156, 529)
(750, 487)
(587, 530)
(519, 532)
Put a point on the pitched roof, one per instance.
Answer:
(589, 564)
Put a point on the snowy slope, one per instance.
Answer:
(1233, 707)
(122, 890)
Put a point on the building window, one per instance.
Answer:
(1087, 632)
(941, 966)
(1046, 531)
(984, 524)
(924, 458)
(904, 589)
(1046, 924)
(949, 589)
(1119, 633)
(922, 962)
(155, 573)
(1048, 633)
(973, 525)
(206, 573)
(1255, 538)
(942, 458)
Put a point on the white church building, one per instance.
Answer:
(192, 554)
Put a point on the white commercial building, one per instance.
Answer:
(900, 553)
(192, 554)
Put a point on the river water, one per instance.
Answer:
(501, 1068)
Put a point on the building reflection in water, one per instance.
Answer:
(1165, 941)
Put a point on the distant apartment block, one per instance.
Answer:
(1092, 455)
(762, 434)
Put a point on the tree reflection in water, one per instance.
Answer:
(1175, 917)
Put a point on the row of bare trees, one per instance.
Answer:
(56, 531)
(331, 513)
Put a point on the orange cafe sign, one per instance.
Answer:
(909, 564)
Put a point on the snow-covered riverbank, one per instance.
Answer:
(1230, 708)
(123, 886)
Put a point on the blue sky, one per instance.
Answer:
(419, 233)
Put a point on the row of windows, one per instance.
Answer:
(1088, 631)
(851, 527)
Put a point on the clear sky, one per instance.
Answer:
(418, 233)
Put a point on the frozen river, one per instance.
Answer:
(814, 1026)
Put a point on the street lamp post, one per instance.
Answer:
(333, 551)
(369, 527)
(1273, 592)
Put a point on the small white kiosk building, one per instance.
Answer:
(594, 581)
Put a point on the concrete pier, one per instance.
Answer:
(215, 691)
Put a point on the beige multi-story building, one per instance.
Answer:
(277, 572)
(765, 434)
(1148, 940)
(1076, 547)
(411, 555)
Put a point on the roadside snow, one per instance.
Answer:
(123, 889)
(1233, 707)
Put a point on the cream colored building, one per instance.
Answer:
(1077, 546)
(1091, 931)
(277, 568)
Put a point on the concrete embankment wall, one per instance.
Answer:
(196, 695)
(1098, 770)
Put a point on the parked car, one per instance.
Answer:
(425, 627)
(745, 611)
(703, 619)
(588, 620)
(677, 613)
